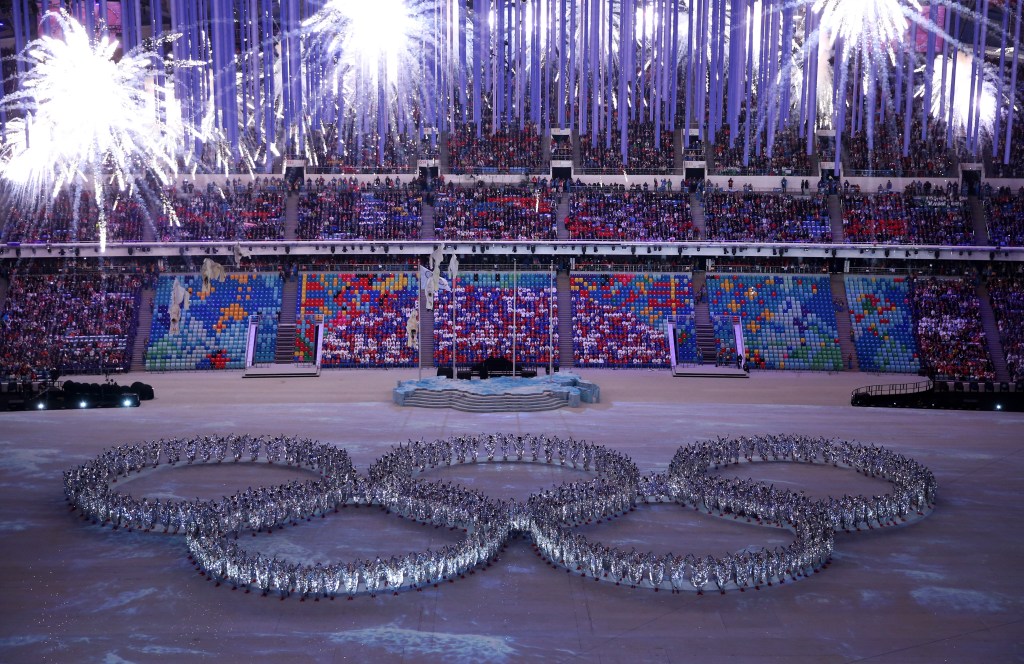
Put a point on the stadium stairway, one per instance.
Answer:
(678, 161)
(707, 342)
(697, 213)
(566, 358)
(427, 224)
(3, 293)
(284, 350)
(442, 153)
(843, 323)
(545, 150)
(291, 216)
(835, 213)
(426, 334)
(995, 343)
(576, 149)
(149, 231)
(977, 208)
(143, 328)
(562, 212)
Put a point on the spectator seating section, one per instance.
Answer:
(789, 154)
(949, 332)
(1007, 297)
(876, 219)
(882, 321)
(1005, 214)
(224, 214)
(75, 322)
(645, 152)
(365, 318)
(484, 318)
(619, 319)
(212, 332)
(939, 219)
(789, 321)
(686, 341)
(494, 213)
(507, 150)
(377, 213)
(614, 214)
(766, 217)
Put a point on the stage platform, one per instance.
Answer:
(708, 371)
(282, 371)
(497, 395)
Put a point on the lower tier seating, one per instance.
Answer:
(197, 329)
(366, 318)
(789, 321)
(619, 319)
(882, 321)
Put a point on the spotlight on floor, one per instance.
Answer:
(83, 404)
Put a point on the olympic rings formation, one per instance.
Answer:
(548, 518)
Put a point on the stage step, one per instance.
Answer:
(484, 403)
(143, 328)
(284, 352)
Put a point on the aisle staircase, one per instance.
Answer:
(977, 208)
(566, 359)
(284, 351)
(141, 331)
(291, 216)
(843, 323)
(697, 212)
(995, 343)
(3, 293)
(562, 212)
(707, 343)
(427, 224)
(835, 213)
(442, 152)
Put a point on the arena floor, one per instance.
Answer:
(949, 589)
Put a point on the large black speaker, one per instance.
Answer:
(446, 372)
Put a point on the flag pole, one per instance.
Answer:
(515, 312)
(419, 328)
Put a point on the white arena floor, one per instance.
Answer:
(948, 589)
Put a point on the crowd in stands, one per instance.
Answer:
(789, 154)
(494, 213)
(55, 221)
(926, 157)
(617, 213)
(342, 210)
(485, 320)
(561, 147)
(766, 217)
(1007, 297)
(254, 211)
(361, 151)
(509, 149)
(695, 151)
(949, 334)
(646, 153)
(618, 319)
(1015, 167)
(366, 319)
(937, 215)
(1005, 214)
(879, 218)
(75, 322)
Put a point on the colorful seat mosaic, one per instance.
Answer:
(619, 319)
(882, 321)
(366, 318)
(789, 321)
(211, 332)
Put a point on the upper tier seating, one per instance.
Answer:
(1005, 214)
(341, 213)
(230, 214)
(619, 319)
(614, 214)
(765, 217)
(882, 320)
(949, 333)
(646, 154)
(484, 318)
(365, 318)
(789, 321)
(494, 213)
(211, 333)
(508, 150)
(73, 322)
